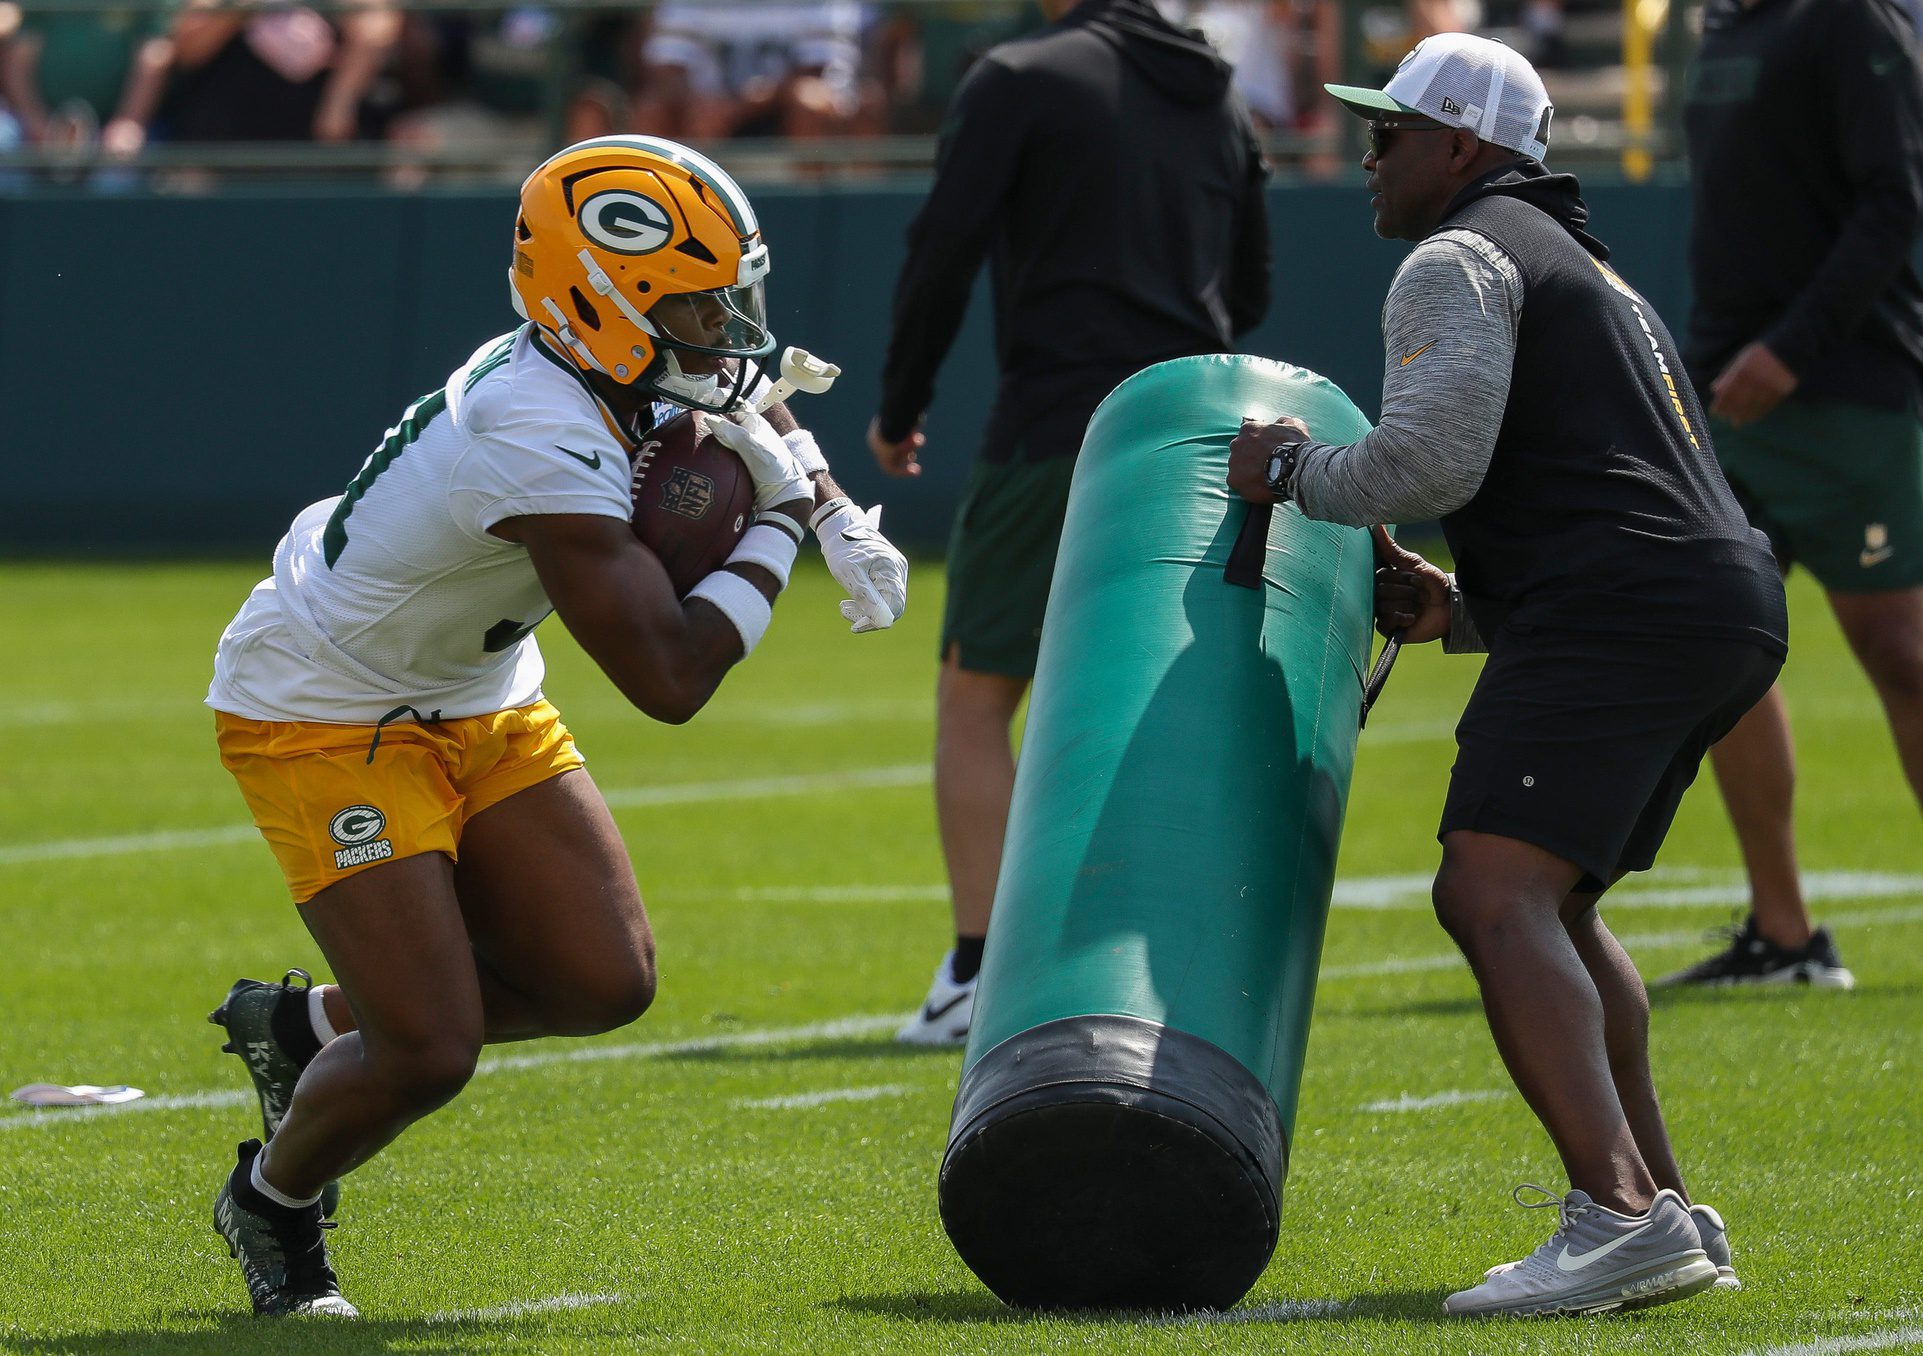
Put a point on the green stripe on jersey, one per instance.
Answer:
(399, 438)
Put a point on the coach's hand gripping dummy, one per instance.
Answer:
(379, 698)
(1123, 1123)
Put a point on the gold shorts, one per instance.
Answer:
(328, 812)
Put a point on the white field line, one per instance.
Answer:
(1434, 1100)
(1725, 888)
(47, 1118)
(1402, 892)
(58, 1118)
(1908, 1336)
(686, 793)
(1644, 941)
(802, 1101)
(522, 1308)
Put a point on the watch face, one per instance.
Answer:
(1277, 463)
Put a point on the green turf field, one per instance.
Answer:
(752, 1166)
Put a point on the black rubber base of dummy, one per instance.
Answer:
(1113, 1163)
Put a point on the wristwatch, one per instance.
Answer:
(1280, 473)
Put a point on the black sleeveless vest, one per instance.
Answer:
(1603, 508)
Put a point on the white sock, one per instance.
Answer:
(317, 1016)
(272, 1193)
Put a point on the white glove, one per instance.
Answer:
(863, 562)
(778, 477)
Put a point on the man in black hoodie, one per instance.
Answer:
(1537, 406)
(1805, 128)
(1111, 176)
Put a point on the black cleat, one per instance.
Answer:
(1751, 958)
(247, 1015)
(282, 1253)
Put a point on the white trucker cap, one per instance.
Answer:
(1461, 80)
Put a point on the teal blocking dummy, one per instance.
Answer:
(1121, 1131)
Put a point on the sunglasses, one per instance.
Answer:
(1381, 129)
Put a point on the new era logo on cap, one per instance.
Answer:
(1462, 80)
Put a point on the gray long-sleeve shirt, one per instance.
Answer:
(1449, 335)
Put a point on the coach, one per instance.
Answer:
(1110, 174)
(1537, 406)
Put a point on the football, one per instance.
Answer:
(692, 498)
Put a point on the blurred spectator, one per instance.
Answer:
(483, 79)
(75, 79)
(1430, 17)
(1256, 38)
(1542, 20)
(284, 73)
(733, 68)
(922, 51)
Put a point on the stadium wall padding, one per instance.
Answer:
(179, 375)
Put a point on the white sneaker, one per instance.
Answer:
(1597, 1260)
(945, 1013)
(1715, 1236)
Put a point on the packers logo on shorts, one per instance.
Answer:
(357, 829)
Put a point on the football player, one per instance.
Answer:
(378, 697)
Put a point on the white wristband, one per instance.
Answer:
(806, 451)
(769, 547)
(823, 513)
(783, 522)
(740, 602)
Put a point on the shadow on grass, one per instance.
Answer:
(227, 1332)
(978, 1307)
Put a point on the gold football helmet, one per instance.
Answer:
(630, 251)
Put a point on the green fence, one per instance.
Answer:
(178, 375)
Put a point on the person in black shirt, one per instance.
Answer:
(1108, 171)
(1535, 403)
(1805, 130)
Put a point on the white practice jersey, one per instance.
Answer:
(395, 593)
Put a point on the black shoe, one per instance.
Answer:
(247, 1014)
(1751, 958)
(282, 1252)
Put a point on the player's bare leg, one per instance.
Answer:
(1500, 899)
(397, 943)
(539, 931)
(974, 782)
(1625, 1007)
(556, 920)
(1756, 770)
(1885, 630)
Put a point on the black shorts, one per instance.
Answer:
(1583, 744)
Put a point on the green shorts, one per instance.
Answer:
(1837, 487)
(1001, 556)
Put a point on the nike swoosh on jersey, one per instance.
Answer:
(931, 1013)
(1408, 358)
(1578, 1261)
(593, 465)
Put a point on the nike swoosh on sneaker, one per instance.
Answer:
(931, 1013)
(1408, 358)
(1577, 1261)
(593, 465)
